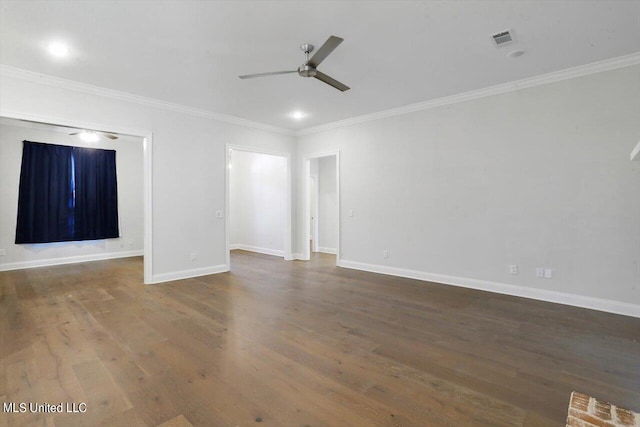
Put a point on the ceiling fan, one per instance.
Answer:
(309, 68)
(92, 136)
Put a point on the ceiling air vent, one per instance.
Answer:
(502, 38)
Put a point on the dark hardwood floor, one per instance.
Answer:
(280, 343)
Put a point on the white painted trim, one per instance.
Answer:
(339, 227)
(19, 73)
(556, 76)
(297, 256)
(288, 229)
(227, 207)
(635, 154)
(147, 195)
(187, 274)
(266, 251)
(148, 206)
(315, 233)
(327, 250)
(599, 304)
(306, 168)
(68, 260)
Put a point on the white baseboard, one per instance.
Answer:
(266, 251)
(298, 256)
(187, 274)
(327, 250)
(68, 260)
(599, 304)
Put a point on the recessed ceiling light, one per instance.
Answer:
(297, 115)
(88, 136)
(58, 49)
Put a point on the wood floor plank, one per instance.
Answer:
(179, 421)
(280, 343)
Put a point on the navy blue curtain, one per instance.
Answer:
(66, 194)
(45, 199)
(96, 211)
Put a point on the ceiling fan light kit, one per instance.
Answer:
(309, 68)
(92, 136)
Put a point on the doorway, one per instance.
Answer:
(134, 191)
(258, 202)
(322, 205)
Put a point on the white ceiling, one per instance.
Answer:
(395, 53)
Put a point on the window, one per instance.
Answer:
(66, 194)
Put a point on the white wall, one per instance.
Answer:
(188, 162)
(130, 207)
(538, 177)
(535, 177)
(257, 199)
(327, 205)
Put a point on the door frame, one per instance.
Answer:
(147, 160)
(306, 254)
(315, 229)
(288, 221)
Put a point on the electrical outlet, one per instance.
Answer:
(385, 254)
(219, 214)
(513, 269)
(2, 252)
(194, 256)
(548, 274)
(540, 272)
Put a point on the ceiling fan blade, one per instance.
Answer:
(331, 81)
(324, 51)
(75, 133)
(273, 73)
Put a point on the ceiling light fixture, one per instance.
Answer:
(58, 49)
(297, 115)
(89, 137)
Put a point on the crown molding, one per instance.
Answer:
(556, 76)
(19, 73)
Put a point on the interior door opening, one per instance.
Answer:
(322, 205)
(133, 171)
(258, 205)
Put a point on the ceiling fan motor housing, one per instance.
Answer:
(306, 70)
